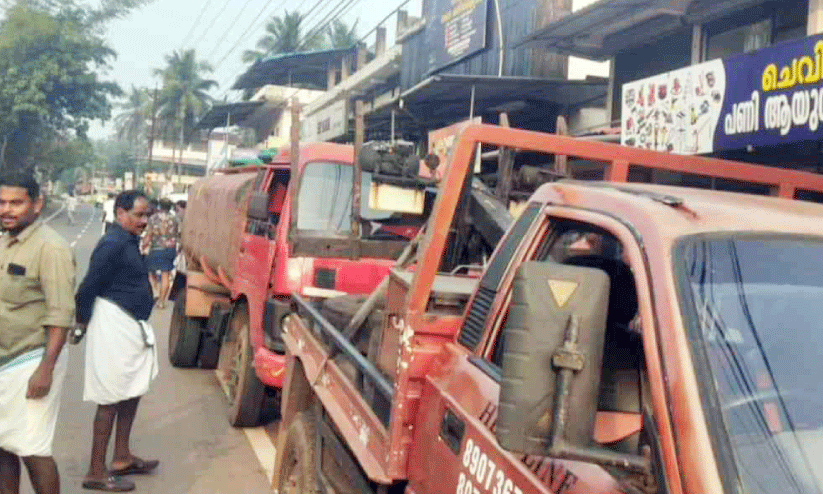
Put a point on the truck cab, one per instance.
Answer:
(255, 235)
(622, 338)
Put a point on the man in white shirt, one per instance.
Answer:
(71, 207)
(108, 213)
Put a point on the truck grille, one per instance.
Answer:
(472, 331)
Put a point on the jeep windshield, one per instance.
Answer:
(754, 306)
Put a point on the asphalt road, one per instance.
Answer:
(181, 421)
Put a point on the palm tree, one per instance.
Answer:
(184, 97)
(131, 124)
(342, 36)
(285, 35)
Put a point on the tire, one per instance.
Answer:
(209, 353)
(185, 334)
(246, 392)
(297, 468)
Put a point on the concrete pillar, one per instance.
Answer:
(344, 68)
(611, 114)
(331, 76)
(362, 53)
(815, 23)
(402, 20)
(380, 41)
(697, 43)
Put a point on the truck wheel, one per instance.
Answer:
(184, 334)
(297, 469)
(245, 390)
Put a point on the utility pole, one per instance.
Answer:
(151, 132)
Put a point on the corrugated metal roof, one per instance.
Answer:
(230, 113)
(303, 69)
(607, 27)
(446, 92)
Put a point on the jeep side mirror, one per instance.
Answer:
(552, 363)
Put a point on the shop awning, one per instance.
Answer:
(442, 99)
(228, 115)
(607, 27)
(307, 70)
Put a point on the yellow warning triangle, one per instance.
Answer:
(562, 291)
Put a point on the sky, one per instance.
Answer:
(220, 30)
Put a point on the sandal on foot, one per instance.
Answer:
(109, 484)
(137, 467)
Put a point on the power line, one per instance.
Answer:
(326, 21)
(225, 5)
(196, 23)
(226, 32)
(385, 19)
(247, 30)
(314, 11)
(259, 21)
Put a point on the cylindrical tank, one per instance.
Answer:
(215, 215)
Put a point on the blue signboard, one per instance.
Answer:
(771, 96)
(455, 29)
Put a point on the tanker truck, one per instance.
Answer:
(252, 236)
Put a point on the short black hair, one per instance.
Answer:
(22, 180)
(181, 204)
(165, 205)
(125, 200)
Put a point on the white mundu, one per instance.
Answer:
(27, 426)
(121, 355)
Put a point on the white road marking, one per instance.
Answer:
(62, 207)
(258, 438)
(263, 448)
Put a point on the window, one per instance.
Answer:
(741, 39)
(324, 205)
(753, 307)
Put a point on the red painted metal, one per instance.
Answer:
(434, 374)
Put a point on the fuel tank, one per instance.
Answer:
(215, 218)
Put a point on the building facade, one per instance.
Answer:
(737, 79)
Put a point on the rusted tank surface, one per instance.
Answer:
(214, 220)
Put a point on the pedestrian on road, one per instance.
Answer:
(71, 207)
(115, 301)
(108, 213)
(36, 311)
(162, 235)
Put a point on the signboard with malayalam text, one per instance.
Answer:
(771, 96)
(455, 29)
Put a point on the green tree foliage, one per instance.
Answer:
(341, 35)
(285, 35)
(184, 96)
(51, 53)
(132, 123)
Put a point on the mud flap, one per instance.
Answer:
(178, 284)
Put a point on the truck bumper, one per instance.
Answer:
(270, 367)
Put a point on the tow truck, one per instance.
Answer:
(623, 337)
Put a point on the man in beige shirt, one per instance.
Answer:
(36, 309)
